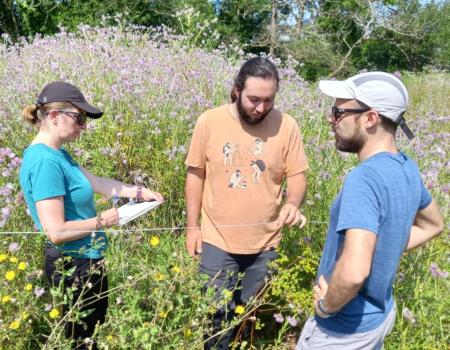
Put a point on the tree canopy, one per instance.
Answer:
(326, 37)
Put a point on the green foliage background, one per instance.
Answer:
(326, 37)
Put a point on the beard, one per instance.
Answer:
(247, 117)
(353, 144)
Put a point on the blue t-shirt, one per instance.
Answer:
(381, 195)
(46, 173)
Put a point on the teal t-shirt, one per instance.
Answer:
(46, 173)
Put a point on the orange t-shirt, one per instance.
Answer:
(245, 168)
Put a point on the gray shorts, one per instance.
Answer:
(314, 337)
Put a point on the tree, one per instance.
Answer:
(28, 17)
(8, 18)
(244, 21)
(389, 34)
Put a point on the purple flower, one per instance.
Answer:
(35, 274)
(307, 240)
(292, 321)
(6, 212)
(13, 247)
(7, 190)
(78, 152)
(436, 272)
(407, 314)
(15, 162)
(48, 307)
(445, 188)
(278, 318)
(324, 175)
(7, 172)
(39, 291)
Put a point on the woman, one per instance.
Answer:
(59, 194)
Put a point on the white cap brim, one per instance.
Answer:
(336, 89)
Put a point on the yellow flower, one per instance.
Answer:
(3, 257)
(28, 287)
(176, 269)
(13, 260)
(154, 241)
(10, 275)
(6, 299)
(14, 324)
(54, 313)
(25, 316)
(162, 314)
(227, 294)
(187, 333)
(159, 277)
(109, 338)
(22, 266)
(239, 310)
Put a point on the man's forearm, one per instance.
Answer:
(194, 194)
(296, 189)
(341, 289)
(193, 215)
(418, 237)
(428, 223)
(351, 270)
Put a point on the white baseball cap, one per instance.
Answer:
(380, 91)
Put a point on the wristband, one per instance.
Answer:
(323, 311)
(139, 194)
(98, 224)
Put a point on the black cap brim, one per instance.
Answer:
(91, 111)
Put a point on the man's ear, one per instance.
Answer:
(237, 91)
(373, 118)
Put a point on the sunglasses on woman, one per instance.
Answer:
(78, 117)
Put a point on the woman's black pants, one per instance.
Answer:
(87, 288)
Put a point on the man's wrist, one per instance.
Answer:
(293, 204)
(193, 226)
(324, 313)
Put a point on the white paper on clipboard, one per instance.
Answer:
(132, 210)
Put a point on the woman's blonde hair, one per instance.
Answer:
(34, 114)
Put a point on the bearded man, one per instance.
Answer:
(382, 210)
(235, 229)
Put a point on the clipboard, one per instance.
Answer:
(133, 210)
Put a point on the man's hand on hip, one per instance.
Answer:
(320, 290)
(290, 215)
(194, 241)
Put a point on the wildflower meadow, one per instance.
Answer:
(152, 86)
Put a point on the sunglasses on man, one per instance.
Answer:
(338, 113)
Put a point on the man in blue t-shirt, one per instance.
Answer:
(382, 210)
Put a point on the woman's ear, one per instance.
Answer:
(53, 116)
